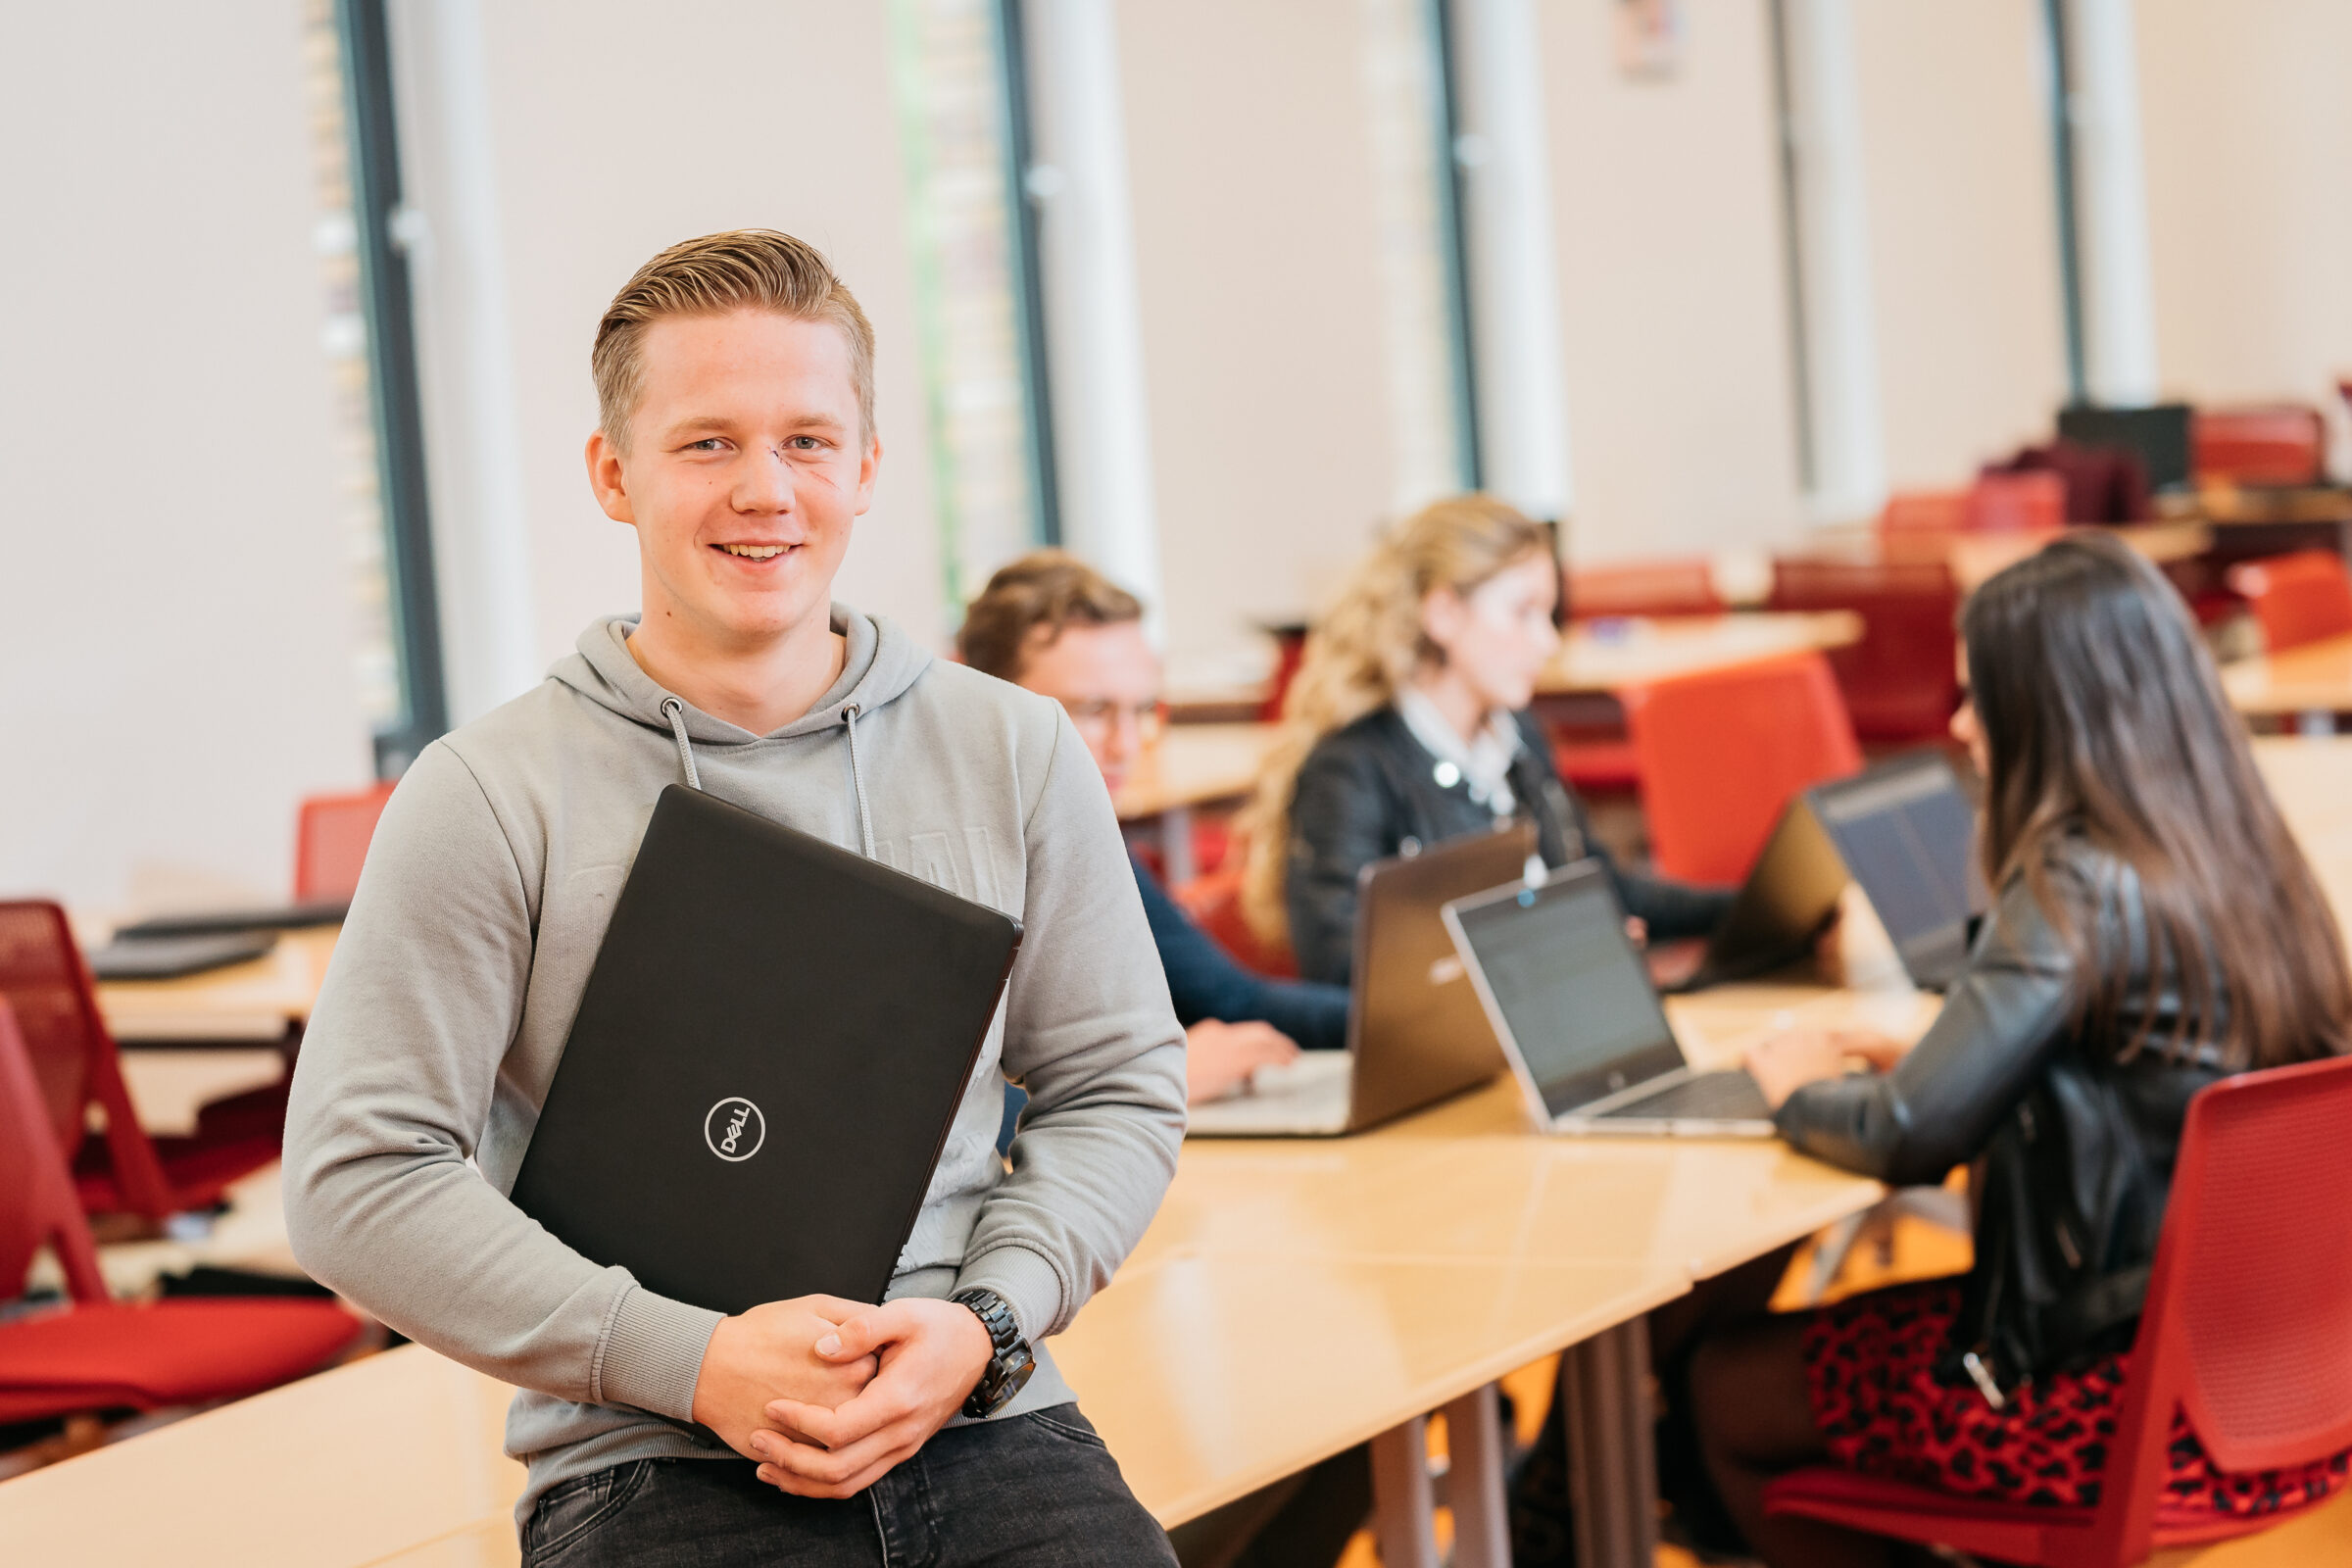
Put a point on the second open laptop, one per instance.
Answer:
(1415, 1034)
(1579, 1021)
(1904, 830)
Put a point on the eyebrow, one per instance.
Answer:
(699, 425)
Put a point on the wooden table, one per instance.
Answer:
(258, 1001)
(1192, 765)
(2312, 683)
(1603, 657)
(2311, 779)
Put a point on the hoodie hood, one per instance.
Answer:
(881, 664)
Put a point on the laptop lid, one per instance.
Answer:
(1788, 900)
(1571, 1002)
(765, 1062)
(1414, 1023)
(1906, 830)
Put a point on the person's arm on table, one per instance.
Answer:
(1089, 1032)
(1938, 1105)
(391, 1091)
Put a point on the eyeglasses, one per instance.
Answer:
(1100, 715)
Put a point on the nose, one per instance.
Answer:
(763, 483)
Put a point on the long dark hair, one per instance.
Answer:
(2103, 718)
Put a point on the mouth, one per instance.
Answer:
(750, 551)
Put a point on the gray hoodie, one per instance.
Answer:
(486, 893)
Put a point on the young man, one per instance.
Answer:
(735, 392)
(1052, 623)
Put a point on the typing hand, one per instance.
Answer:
(770, 1350)
(1786, 1062)
(932, 1354)
(1219, 1057)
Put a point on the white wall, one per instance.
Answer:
(1673, 286)
(1963, 226)
(180, 666)
(613, 137)
(1257, 243)
(2248, 134)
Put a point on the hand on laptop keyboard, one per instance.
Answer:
(1220, 1058)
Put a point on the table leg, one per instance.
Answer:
(1612, 1468)
(1176, 845)
(2316, 721)
(1402, 1512)
(1477, 1455)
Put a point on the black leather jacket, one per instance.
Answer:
(2073, 1135)
(1367, 790)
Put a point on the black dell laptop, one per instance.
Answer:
(767, 1060)
(1905, 830)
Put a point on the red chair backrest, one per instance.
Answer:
(1684, 587)
(38, 1206)
(1927, 511)
(2298, 597)
(2283, 444)
(1290, 652)
(47, 985)
(1214, 904)
(330, 841)
(1901, 681)
(1721, 752)
(2248, 1322)
(2017, 503)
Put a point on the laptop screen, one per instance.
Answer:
(1906, 831)
(1571, 988)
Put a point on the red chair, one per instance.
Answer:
(1290, 652)
(44, 978)
(1901, 681)
(2247, 1329)
(2298, 598)
(2017, 503)
(1721, 753)
(102, 1354)
(2283, 444)
(1685, 587)
(330, 841)
(1925, 511)
(1214, 904)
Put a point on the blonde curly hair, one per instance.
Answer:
(1361, 653)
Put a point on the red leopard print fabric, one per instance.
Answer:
(1869, 1373)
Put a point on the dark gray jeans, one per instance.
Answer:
(1036, 1490)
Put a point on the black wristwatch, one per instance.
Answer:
(1009, 1368)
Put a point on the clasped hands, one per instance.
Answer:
(828, 1395)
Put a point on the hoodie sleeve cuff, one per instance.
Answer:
(653, 1353)
(1028, 1283)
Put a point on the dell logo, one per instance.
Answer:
(734, 1129)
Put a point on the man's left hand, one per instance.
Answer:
(932, 1353)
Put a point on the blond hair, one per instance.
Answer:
(1366, 649)
(742, 269)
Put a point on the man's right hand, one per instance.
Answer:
(1219, 1057)
(770, 1353)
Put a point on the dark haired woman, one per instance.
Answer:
(2155, 929)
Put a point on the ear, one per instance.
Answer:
(607, 480)
(869, 463)
(1443, 614)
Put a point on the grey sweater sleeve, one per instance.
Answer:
(1089, 1033)
(393, 1089)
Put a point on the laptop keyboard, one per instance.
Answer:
(1709, 1095)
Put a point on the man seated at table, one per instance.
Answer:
(1050, 622)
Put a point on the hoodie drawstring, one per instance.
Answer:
(675, 712)
(866, 818)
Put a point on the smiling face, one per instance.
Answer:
(1499, 636)
(745, 470)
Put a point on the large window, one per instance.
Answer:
(961, 116)
(371, 347)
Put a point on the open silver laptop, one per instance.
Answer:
(1416, 1032)
(1579, 1021)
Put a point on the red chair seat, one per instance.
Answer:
(109, 1354)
